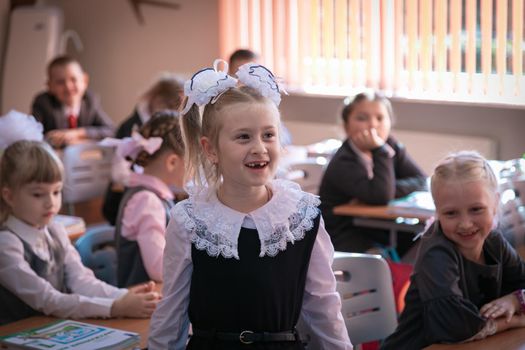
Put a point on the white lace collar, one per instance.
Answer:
(215, 227)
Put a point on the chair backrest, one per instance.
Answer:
(308, 174)
(97, 251)
(365, 285)
(87, 170)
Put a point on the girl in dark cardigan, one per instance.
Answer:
(467, 282)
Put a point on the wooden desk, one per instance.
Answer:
(386, 217)
(138, 325)
(513, 339)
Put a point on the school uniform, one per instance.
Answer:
(49, 111)
(447, 290)
(140, 229)
(41, 273)
(351, 176)
(227, 272)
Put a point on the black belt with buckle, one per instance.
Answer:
(247, 337)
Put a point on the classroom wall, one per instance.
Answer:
(4, 22)
(122, 58)
(505, 125)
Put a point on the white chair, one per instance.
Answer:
(365, 285)
(308, 173)
(87, 170)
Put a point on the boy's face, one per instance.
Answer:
(34, 203)
(68, 84)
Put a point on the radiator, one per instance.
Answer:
(425, 147)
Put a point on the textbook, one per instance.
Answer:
(68, 334)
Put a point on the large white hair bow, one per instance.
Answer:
(16, 126)
(130, 147)
(207, 85)
(261, 79)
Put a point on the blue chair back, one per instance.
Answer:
(97, 251)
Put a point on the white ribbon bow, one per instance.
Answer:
(132, 146)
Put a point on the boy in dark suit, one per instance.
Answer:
(68, 111)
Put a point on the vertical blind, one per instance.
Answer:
(458, 50)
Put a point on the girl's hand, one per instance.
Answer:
(367, 140)
(504, 306)
(138, 302)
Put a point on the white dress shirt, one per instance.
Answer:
(89, 296)
(321, 309)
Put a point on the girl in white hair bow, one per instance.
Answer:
(246, 255)
(144, 209)
(41, 271)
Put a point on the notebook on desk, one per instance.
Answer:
(68, 334)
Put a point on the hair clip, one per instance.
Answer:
(130, 147)
(261, 79)
(16, 126)
(207, 85)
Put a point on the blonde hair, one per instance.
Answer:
(24, 162)
(464, 166)
(164, 124)
(198, 166)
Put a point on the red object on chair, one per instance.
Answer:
(72, 121)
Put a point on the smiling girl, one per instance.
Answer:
(246, 255)
(467, 282)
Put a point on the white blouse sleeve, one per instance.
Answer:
(170, 322)
(321, 311)
(17, 276)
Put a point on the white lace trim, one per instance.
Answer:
(215, 227)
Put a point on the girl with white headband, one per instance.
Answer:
(41, 271)
(246, 255)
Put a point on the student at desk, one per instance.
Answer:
(370, 167)
(68, 111)
(468, 281)
(40, 270)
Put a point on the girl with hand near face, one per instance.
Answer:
(467, 281)
(371, 167)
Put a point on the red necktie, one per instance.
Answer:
(72, 121)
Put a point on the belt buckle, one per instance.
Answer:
(242, 335)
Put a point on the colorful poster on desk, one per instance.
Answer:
(66, 334)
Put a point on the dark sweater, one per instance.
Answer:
(346, 179)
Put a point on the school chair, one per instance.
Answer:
(97, 251)
(364, 282)
(87, 169)
(307, 173)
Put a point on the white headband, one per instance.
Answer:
(208, 84)
(16, 126)
(132, 146)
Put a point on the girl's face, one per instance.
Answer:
(466, 212)
(34, 203)
(368, 115)
(248, 149)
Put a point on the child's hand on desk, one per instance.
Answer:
(63, 137)
(139, 302)
(505, 306)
